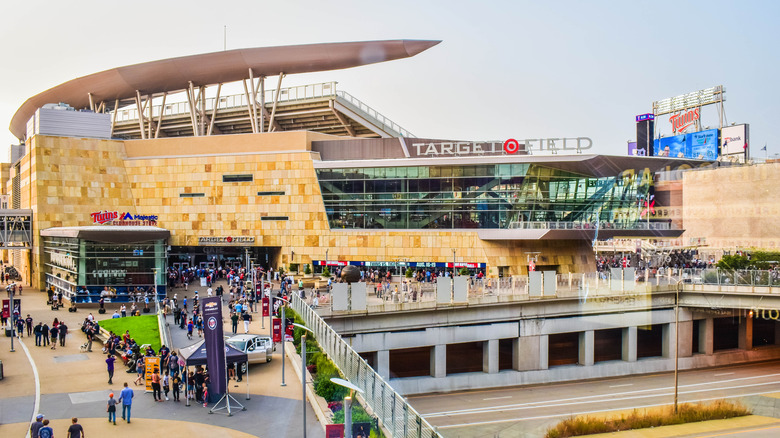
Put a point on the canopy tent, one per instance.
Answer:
(195, 354)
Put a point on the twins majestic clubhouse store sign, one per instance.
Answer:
(117, 218)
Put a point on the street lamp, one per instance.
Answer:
(347, 404)
(676, 337)
(303, 371)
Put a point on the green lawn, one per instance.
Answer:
(142, 328)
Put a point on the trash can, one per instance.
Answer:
(8, 332)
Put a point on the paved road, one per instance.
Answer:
(530, 410)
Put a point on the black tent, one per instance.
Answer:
(195, 354)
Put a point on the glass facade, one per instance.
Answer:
(82, 269)
(477, 196)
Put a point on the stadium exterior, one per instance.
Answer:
(335, 182)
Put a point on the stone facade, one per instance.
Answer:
(64, 180)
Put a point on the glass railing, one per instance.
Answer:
(564, 225)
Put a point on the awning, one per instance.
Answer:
(110, 234)
(195, 354)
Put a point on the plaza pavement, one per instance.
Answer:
(74, 384)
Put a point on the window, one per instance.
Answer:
(191, 195)
(270, 193)
(237, 178)
(274, 218)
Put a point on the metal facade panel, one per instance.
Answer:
(629, 278)
(358, 296)
(550, 283)
(535, 283)
(65, 123)
(443, 290)
(461, 289)
(616, 279)
(340, 296)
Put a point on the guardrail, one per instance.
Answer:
(162, 325)
(384, 121)
(565, 225)
(397, 417)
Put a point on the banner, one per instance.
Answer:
(334, 431)
(289, 329)
(215, 344)
(277, 330)
(151, 363)
(265, 306)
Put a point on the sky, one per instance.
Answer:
(504, 69)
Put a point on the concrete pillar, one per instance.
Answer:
(629, 344)
(668, 340)
(382, 361)
(587, 347)
(544, 352)
(526, 354)
(746, 334)
(439, 361)
(777, 332)
(706, 336)
(686, 338)
(490, 356)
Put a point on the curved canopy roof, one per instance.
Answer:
(174, 74)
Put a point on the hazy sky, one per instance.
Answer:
(504, 69)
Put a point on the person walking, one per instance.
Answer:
(139, 368)
(35, 427)
(45, 334)
(126, 398)
(37, 332)
(111, 408)
(166, 384)
(29, 322)
(46, 431)
(175, 381)
(234, 321)
(54, 331)
(110, 367)
(63, 331)
(156, 385)
(75, 430)
(247, 320)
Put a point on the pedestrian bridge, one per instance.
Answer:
(550, 327)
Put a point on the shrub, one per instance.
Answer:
(325, 272)
(687, 413)
(307, 269)
(464, 271)
(335, 406)
(359, 415)
(311, 368)
(408, 273)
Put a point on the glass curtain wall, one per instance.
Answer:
(86, 269)
(478, 196)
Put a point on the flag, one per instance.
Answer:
(764, 148)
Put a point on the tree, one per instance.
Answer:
(306, 269)
(408, 273)
(325, 272)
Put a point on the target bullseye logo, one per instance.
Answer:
(212, 323)
(511, 146)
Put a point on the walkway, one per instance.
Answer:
(73, 383)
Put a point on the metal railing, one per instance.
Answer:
(289, 94)
(162, 325)
(386, 123)
(564, 225)
(397, 417)
(727, 277)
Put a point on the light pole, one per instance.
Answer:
(303, 371)
(676, 337)
(347, 404)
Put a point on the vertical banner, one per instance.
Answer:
(151, 363)
(265, 306)
(289, 329)
(277, 330)
(6, 308)
(215, 343)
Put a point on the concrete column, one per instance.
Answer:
(706, 336)
(777, 333)
(629, 344)
(382, 361)
(686, 338)
(668, 340)
(439, 361)
(544, 352)
(746, 334)
(490, 356)
(587, 345)
(526, 354)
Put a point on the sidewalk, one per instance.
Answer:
(73, 383)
